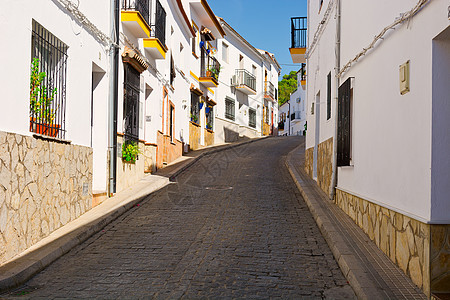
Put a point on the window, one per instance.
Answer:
(252, 117)
(195, 39)
(209, 110)
(344, 124)
(254, 70)
(48, 93)
(195, 108)
(276, 94)
(224, 52)
(329, 96)
(172, 70)
(320, 5)
(229, 109)
(241, 62)
(171, 120)
(131, 102)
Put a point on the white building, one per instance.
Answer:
(49, 133)
(247, 93)
(292, 114)
(377, 92)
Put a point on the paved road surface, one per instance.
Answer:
(233, 226)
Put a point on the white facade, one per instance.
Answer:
(395, 138)
(240, 61)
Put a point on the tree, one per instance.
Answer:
(286, 87)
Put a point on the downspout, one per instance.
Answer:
(113, 95)
(336, 71)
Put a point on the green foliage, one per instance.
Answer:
(286, 86)
(40, 97)
(130, 151)
(194, 118)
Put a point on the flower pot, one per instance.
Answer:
(44, 128)
(208, 73)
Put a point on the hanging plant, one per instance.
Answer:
(130, 151)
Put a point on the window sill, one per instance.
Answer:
(195, 55)
(209, 130)
(195, 124)
(50, 138)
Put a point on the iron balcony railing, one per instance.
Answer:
(243, 77)
(141, 6)
(298, 32)
(210, 67)
(269, 89)
(159, 24)
(303, 72)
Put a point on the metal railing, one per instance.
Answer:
(298, 32)
(210, 67)
(303, 72)
(47, 83)
(243, 77)
(141, 6)
(269, 89)
(159, 24)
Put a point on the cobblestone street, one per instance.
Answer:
(233, 226)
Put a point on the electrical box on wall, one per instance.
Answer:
(404, 78)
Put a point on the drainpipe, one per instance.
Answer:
(336, 70)
(113, 95)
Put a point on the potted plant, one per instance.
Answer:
(215, 71)
(42, 114)
(194, 118)
(130, 151)
(208, 126)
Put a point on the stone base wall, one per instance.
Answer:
(150, 151)
(167, 150)
(209, 137)
(325, 165)
(421, 250)
(194, 136)
(129, 173)
(44, 184)
(309, 161)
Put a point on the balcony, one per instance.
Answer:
(269, 91)
(303, 76)
(210, 69)
(298, 39)
(245, 82)
(135, 17)
(155, 46)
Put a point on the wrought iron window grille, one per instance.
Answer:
(47, 83)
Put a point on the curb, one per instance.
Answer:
(23, 268)
(342, 254)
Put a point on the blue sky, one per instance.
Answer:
(264, 23)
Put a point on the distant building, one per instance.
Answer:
(292, 114)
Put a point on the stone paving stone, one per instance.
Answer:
(233, 226)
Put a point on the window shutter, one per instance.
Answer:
(343, 146)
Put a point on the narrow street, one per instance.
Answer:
(233, 226)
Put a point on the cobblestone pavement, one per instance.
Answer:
(233, 226)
